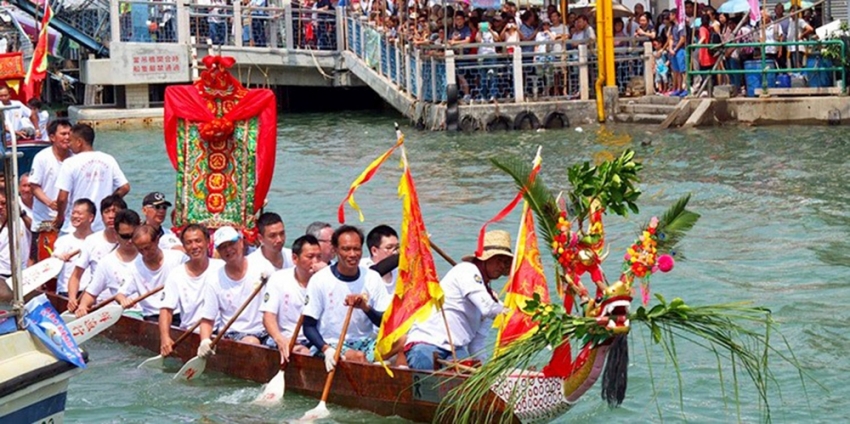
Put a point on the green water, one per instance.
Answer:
(774, 230)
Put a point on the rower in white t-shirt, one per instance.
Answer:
(470, 304)
(88, 174)
(115, 268)
(285, 295)
(330, 293)
(228, 289)
(272, 235)
(155, 209)
(45, 172)
(184, 287)
(82, 215)
(150, 270)
(382, 242)
(94, 249)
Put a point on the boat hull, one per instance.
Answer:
(413, 395)
(33, 383)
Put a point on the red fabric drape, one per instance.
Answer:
(185, 102)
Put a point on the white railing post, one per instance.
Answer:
(115, 21)
(362, 36)
(408, 78)
(583, 77)
(519, 92)
(418, 72)
(289, 25)
(648, 68)
(451, 78)
(183, 24)
(237, 23)
(397, 64)
(340, 28)
(433, 80)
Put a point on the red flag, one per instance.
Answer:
(418, 290)
(38, 66)
(364, 178)
(535, 169)
(526, 280)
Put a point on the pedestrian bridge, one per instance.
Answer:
(143, 43)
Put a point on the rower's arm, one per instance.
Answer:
(374, 316)
(74, 287)
(206, 328)
(61, 204)
(123, 190)
(39, 194)
(85, 303)
(270, 322)
(311, 331)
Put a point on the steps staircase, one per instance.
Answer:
(647, 109)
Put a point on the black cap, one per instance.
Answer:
(155, 199)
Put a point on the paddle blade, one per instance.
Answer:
(94, 323)
(192, 369)
(273, 392)
(155, 362)
(317, 413)
(33, 277)
(68, 316)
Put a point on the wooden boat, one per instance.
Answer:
(413, 395)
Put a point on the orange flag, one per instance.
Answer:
(417, 291)
(526, 279)
(38, 66)
(364, 178)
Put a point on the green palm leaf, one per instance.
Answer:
(538, 195)
(674, 224)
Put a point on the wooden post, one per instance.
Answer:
(648, 69)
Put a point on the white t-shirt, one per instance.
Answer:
(467, 305)
(18, 119)
(326, 295)
(44, 172)
(66, 244)
(792, 33)
(23, 251)
(95, 248)
(224, 296)
(109, 276)
(168, 241)
(367, 263)
(89, 175)
(142, 279)
(185, 294)
(43, 117)
(559, 30)
(256, 258)
(285, 297)
(772, 33)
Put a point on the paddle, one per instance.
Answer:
(92, 324)
(69, 316)
(274, 389)
(196, 365)
(35, 276)
(156, 361)
(442, 253)
(321, 410)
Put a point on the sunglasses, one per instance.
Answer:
(159, 207)
(125, 236)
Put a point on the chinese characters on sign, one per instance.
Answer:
(156, 64)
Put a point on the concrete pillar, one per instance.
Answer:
(519, 92)
(288, 25)
(237, 23)
(583, 77)
(451, 77)
(341, 24)
(648, 68)
(611, 96)
(114, 22)
(137, 96)
(433, 80)
(183, 26)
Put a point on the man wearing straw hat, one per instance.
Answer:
(470, 304)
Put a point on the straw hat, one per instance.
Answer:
(497, 242)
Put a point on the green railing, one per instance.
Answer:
(763, 69)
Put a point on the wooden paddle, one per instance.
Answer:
(69, 316)
(196, 365)
(157, 361)
(35, 276)
(442, 253)
(273, 392)
(90, 325)
(321, 410)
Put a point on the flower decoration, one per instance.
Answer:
(216, 130)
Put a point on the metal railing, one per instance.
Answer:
(763, 75)
(148, 21)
